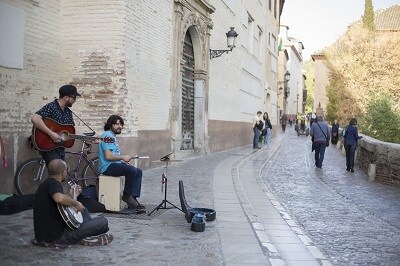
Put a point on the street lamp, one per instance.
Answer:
(231, 43)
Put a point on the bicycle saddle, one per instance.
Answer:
(89, 134)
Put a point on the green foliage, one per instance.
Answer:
(333, 104)
(381, 121)
(368, 18)
(309, 67)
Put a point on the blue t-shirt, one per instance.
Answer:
(113, 147)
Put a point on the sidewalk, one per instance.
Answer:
(269, 212)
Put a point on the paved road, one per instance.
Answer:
(273, 208)
(352, 220)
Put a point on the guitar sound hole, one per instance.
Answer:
(64, 135)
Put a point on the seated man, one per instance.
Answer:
(50, 228)
(112, 163)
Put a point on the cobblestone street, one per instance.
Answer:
(273, 208)
(352, 220)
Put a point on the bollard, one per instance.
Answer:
(371, 172)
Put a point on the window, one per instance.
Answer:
(250, 31)
(12, 30)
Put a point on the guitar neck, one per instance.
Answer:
(82, 137)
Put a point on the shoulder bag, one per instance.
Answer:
(327, 140)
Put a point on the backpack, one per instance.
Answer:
(344, 132)
(15, 204)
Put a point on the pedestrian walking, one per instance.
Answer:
(335, 132)
(267, 129)
(320, 135)
(350, 143)
(284, 122)
(257, 127)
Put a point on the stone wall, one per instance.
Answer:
(383, 156)
(386, 157)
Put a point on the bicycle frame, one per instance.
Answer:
(74, 176)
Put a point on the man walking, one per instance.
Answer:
(257, 127)
(320, 134)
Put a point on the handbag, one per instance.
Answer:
(327, 140)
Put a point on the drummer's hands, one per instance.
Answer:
(126, 158)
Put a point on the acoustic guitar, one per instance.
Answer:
(70, 215)
(43, 142)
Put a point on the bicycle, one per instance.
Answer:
(33, 171)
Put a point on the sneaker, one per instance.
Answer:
(132, 203)
(100, 240)
(139, 206)
(352, 169)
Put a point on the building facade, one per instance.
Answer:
(148, 61)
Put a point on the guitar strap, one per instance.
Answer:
(84, 122)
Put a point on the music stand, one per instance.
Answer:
(164, 186)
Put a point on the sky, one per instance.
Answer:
(319, 23)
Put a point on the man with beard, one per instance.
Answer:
(112, 163)
(57, 110)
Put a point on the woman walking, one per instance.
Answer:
(267, 129)
(335, 132)
(350, 143)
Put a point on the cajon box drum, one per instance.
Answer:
(110, 192)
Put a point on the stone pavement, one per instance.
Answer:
(273, 208)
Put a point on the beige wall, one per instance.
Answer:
(321, 81)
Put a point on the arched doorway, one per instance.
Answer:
(188, 101)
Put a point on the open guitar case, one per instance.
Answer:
(196, 216)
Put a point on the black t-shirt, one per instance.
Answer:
(48, 223)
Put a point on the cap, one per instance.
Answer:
(68, 90)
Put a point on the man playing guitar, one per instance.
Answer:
(59, 111)
(49, 225)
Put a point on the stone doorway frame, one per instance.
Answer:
(193, 17)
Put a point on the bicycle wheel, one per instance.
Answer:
(29, 175)
(90, 173)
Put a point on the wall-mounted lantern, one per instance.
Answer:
(231, 42)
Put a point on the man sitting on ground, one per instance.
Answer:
(50, 228)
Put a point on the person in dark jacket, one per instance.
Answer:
(350, 143)
(267, 129)
(320, 136)
(335, 132)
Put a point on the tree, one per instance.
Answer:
(368, 18)
(309, 67)
(381, 121)
(362, 67)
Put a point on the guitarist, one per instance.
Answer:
(50, 228)
(59, 111)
